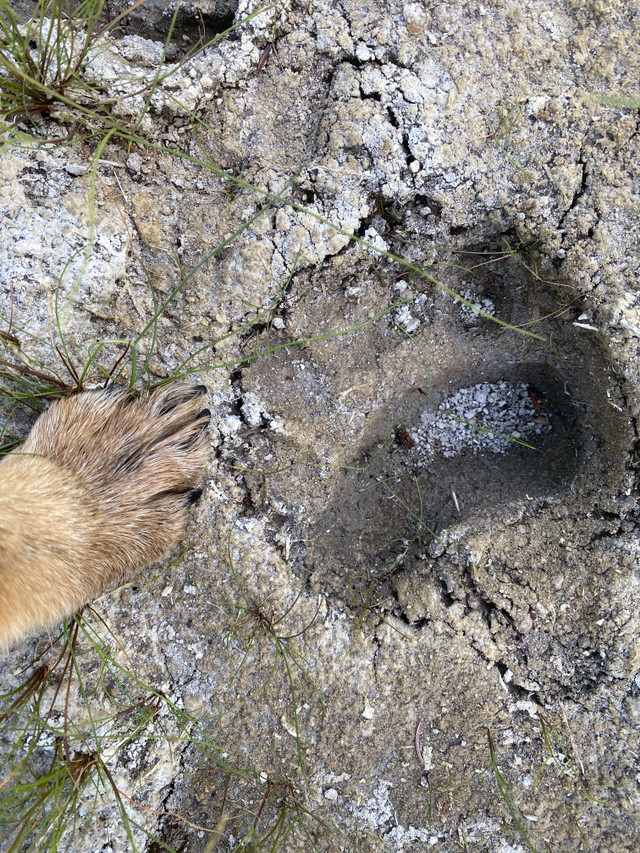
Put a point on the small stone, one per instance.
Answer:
(134, 163)
(415, 17)
(436, 549)
(368, 712)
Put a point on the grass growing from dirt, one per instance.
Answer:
(61, 771)
(45, 61)
(563, 760)
(49, 68)
(508, 118)
(255, 621)
(531, 841)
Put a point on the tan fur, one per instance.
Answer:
(99, 489)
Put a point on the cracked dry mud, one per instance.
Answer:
(480, 594)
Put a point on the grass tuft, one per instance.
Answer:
(530, 840)
(49, 67)
(44, 60)
(64, 766)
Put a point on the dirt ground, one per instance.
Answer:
(433, 514)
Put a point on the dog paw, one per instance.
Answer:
(139, 459)
(100, 488)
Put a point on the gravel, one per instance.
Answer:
(489, 417)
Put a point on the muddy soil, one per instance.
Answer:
(437, 511)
